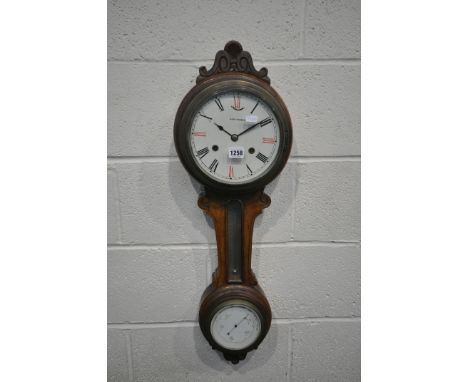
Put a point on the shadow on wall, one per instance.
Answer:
(185, 191)
(207, 358)
(215, 359)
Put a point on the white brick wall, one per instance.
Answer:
(306, 251)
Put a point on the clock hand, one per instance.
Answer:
(262, 122)
(234, 137)
(222, 129)
(236, 325)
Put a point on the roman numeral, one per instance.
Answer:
(199, 133)
(231, 172)
(269, 140)
(237, 102)
(214, 165)
(266, 121)
(218, 102)
(262, 157)
(236, 105)
(249, 169)
(201, 153)
(254, 107)
(205, 116)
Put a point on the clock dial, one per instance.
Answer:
(234, 137)
(235, 327)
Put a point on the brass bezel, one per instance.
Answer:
(208, 89)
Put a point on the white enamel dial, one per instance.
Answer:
(235, 326)
(235, 137)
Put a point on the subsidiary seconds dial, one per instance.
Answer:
(234, 137)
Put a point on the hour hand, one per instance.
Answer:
(222, 129)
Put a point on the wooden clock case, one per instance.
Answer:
(233, 208)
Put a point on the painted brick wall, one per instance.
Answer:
(306, 251)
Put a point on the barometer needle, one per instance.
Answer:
(236, 325)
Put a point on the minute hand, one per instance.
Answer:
(262, 122)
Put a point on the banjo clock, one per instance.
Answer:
(233, 134)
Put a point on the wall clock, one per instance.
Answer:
(233, 134)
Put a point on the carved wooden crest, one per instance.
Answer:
(233, 59)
